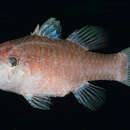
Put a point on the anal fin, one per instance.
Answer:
(90, 96)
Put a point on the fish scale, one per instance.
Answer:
(99, 66)
(92, 63)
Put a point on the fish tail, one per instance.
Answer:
(126, 80)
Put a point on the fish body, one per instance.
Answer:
(41, 65)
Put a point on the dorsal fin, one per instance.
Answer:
(51, 29)
(90, 37)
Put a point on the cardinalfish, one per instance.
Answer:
(42, 65)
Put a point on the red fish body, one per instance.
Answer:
(40, 66)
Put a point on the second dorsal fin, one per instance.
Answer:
(90, 37)
(51, 29)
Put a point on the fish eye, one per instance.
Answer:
(13, 61)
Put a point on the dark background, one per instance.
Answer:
(18, 19)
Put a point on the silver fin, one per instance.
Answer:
(90, 96)
(90, 37)
(43, 103)
(51, 29)
(127, 67)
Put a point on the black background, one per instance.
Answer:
(19, 18)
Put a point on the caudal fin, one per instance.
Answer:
(127, 67)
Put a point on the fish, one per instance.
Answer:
(43, 65)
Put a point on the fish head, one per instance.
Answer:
(12, 71)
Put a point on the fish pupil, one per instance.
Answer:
(13, 61)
